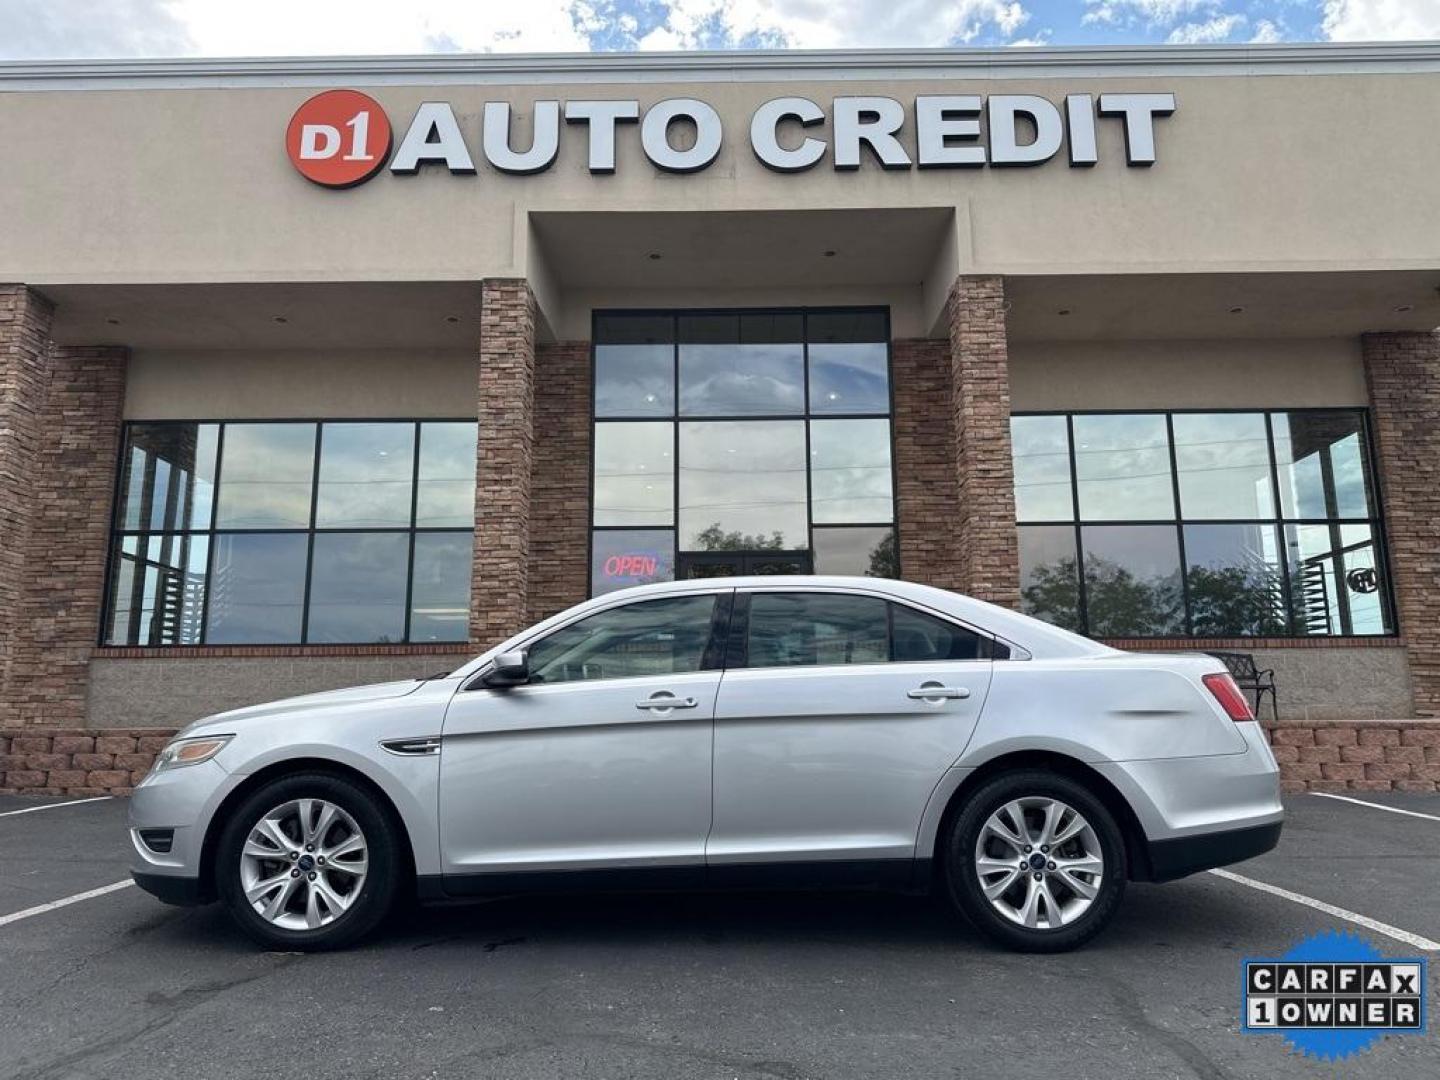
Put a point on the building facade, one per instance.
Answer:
(322, 372)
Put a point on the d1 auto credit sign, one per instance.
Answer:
(342, 137)
(339, 138)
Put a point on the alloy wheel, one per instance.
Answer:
(1039, 862)
(303, 864)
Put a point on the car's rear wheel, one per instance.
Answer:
(1035, 861)
(308, 861)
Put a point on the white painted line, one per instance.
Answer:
(1413, 940)
(55, 805)
(41, 909)
(1376, 805)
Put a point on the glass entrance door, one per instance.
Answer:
(739, 563)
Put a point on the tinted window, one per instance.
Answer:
(1041, 449)
(634, 474)
(850, 471)
(1050, 575)
(1132, 580)
(1122, 463)
(634, 365)
(1224, 465)
(742, 485)
(654, 637)
(919, 637)
(257, 589)
(266, 473)
(365, 475)
(1323, 468)
(810, 629)
(440, 595)
(1235, 580)
(741, 365)
(357, 588)
(446, 495)
(167, 480)
(849, 362)
(863, 551)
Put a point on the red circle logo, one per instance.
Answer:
(339, 138)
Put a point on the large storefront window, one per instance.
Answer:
(1202, 524)
(293, 532)
(741, 442)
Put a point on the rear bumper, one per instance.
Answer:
(1171, 859)
(181, 891)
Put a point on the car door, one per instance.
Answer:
(838, 714)
(602, 760)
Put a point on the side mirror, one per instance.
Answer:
(509, 669)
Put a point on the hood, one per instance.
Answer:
(354, 695)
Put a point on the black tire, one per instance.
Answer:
(376, 893)
(963, 884)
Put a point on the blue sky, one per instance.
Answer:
(112, 28)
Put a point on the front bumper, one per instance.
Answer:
(179, 801)
(181, 891)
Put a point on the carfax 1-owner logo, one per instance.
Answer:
(1333, 995)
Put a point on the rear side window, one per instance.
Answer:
(823, 629)
(918, 637)
(814, 629)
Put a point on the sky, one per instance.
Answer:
(50, 29)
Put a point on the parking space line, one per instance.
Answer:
(55, 805)
(1376, 805)
(1413, 940)
(41, 909)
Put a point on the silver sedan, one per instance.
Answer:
(744, 732)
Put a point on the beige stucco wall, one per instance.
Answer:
(226, 385)
(1256, 171)
(1236, 374)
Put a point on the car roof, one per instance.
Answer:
(1040, 639)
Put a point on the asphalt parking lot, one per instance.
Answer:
(693, 987)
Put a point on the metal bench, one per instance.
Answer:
(1258, 681)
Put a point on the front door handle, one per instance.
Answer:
(667, 701)
(935, 691)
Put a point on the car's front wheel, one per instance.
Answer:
(1035, 861)
(308, 861)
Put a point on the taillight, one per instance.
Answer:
(1235, 704)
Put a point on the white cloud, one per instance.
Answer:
(1267, 33)
(71, 28)
(1210, 30)
(1149, 12)
(1382, 20)
(812, 24)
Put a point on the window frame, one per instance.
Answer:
(675, 419)
(737, 651)
(116, 533)
(1379, 539)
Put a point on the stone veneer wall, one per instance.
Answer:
(70, 506)
(504, 458)
(24, 339)
(560, 489)
(988, 543)
(1403, 374)
(927, 507)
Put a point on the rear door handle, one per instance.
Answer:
(934, 692)
(667, 702)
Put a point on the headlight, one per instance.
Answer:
(184, 752)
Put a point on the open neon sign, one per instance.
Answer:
(631, 566)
